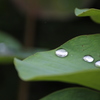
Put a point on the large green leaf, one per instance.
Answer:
(48, 66)
(93, 13)
(73, 94)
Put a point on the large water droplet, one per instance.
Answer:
(97, 64)
(88, 58)
(61, 53)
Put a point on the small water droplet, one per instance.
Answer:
(97, 64)
(88, 58)
(61, 53)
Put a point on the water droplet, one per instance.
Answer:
(88, 58)
(97, 64)
(61, 53)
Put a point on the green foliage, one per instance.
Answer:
(9, 41)
(65, 6)
(93, 13)
(10, 48)
(73, 94)
(51, 8)
(48, 66)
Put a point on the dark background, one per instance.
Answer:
(50, 34)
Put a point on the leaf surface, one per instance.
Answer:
(73, 94)
(93, 13)
(72, 68)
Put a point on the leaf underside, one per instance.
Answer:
(93, 13)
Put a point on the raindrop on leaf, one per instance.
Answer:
(97, 64)
(88, 58)
(61, 53)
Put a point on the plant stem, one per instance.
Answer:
(29, 37)
(23, 93)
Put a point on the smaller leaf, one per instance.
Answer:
(73, 94)
(7, 54)
(9, 41)
(10, 48)
(93, 13)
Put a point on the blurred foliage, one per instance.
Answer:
(93, 13)
(9, 41)
(73, 94)
(13, 22)
(10, 48)
(50, 8)
(50, 34)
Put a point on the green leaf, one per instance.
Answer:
(73, 94)
(7, 54)
(47, 66)
(10, 48)
(9, 41)
(93, 13)
(27, 52)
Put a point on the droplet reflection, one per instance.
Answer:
(97, 64)
(61, 53)
(88, 58)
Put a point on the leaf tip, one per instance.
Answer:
(15, 61)
(78, 11)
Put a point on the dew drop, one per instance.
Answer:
(97, 64)
(61, 53)
(88, 58)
